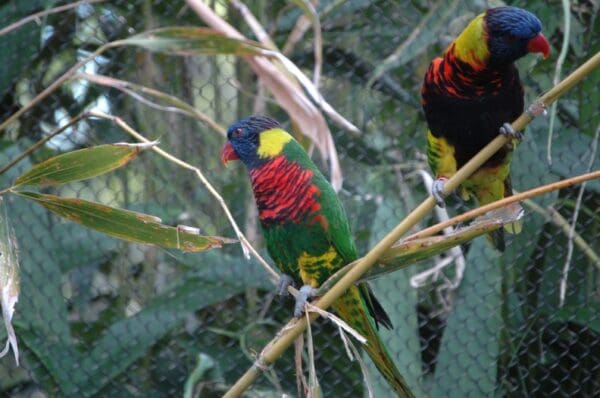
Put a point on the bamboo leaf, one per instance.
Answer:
(80, 165)
(193, 41)
(126, 225)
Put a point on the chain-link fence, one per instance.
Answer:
(100, 317)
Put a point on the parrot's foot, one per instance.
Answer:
(508, 131)
(536, 109)
(437, 191)
(284, 282)
(306, 292)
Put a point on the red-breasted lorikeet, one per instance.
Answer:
(471, 93)
(305, 226)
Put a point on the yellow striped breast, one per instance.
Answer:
(316, 267)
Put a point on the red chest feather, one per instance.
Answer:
(284, 192)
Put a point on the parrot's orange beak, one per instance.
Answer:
(228, 153)
(539, 44)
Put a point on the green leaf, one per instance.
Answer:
(467, 360)
(124, 224)
(192, 41)
(80, 165)
(587, 316)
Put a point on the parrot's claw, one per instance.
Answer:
(437, 191)
(536, 109)
(306, 292)
(508, 131)
(284, 282)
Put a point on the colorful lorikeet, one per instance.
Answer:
(471, 93)
(305, 227)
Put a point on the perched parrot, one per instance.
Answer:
(471, 94)
(305, 227)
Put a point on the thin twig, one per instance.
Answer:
(553, 216)
(517, 197)
(41, 142)
(318, 39)
(37, 15)
(570, 246)
(301, 383)
(313, 381)
(260, 33)
(363, 367)
(566, 7)
(295, 327)
(425, 23)
(296, 34)
(128, 88)
(56, 84)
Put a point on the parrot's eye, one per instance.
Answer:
(238, 132)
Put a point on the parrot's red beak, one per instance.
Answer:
(539, 44)
(228, 153)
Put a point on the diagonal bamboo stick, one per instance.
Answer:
(296, 327)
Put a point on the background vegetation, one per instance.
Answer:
(100, 317)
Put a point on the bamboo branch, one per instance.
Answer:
(38, 15)
(295, 327)
(517, 197)
(176, 105)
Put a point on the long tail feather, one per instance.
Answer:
(352, 308)
(497, 239)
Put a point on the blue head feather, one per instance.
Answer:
(509, 30)
(244, 137)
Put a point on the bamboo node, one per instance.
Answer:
(536, 109)
(262, 365)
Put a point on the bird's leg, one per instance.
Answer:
(437, 190)
(508, 131)
(306, 292)
(284, 282)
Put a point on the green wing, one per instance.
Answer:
(338, 230)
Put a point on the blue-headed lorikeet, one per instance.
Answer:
(305, 226)
(471, 93)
